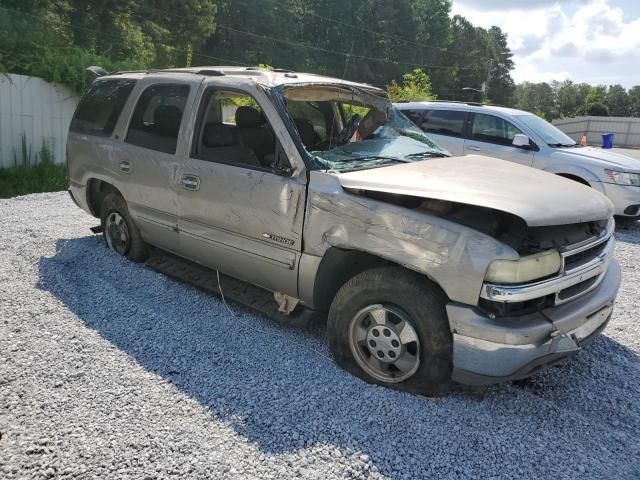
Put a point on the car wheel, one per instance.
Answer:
(626, 222)
(389, 327)
(120, 231)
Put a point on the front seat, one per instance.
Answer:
(306, 132)
(218, 145)
(252, 134)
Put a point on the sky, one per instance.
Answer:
(593, 41)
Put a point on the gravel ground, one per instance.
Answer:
(111, 370)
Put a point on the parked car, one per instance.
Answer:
(524, 138)
(429, 267)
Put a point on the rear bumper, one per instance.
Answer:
(78, 194)
(490, 350)
(73, 198)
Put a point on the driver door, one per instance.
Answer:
(236, 214)
(492, 136)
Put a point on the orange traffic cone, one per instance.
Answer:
(583, 140)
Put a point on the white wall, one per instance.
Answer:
(626, 130)
(36, 108)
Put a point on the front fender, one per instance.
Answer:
(452, 255)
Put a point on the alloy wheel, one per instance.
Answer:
(384, 343)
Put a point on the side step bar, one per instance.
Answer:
(248, 295)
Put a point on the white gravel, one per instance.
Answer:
(111, 370)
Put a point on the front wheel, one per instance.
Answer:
(389, 326)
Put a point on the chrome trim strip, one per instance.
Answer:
(559, 301)
(589, 242)
(520, 293)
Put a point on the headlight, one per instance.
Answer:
(624, 178)
(525, 269)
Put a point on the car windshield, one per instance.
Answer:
(550, 134)
(346, 128)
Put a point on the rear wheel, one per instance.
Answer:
(120, 231)
(389, 326)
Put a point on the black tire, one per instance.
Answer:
(626, 222)
(135, 248)
(423, 304)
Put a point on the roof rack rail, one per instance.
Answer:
(211, 72)
(278, 70)
(477, 104)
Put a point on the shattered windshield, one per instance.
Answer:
(345, 128)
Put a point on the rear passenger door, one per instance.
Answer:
(236, 214)
(493, 136)
(446, 128)
(146, 161)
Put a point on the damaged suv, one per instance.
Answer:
(430, 268)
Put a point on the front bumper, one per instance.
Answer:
(490, 350)
(624, 198)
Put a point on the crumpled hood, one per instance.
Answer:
(539, 198)
(605, 158)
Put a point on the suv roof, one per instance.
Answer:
(466, 106)
(259, 75)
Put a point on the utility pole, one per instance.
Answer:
(485, 85)
(484, 88)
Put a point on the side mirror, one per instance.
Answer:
(280, 166)
(520, 140)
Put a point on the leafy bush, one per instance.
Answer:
(32, 172)
(596, 109)
(45, 176)
(416, 86)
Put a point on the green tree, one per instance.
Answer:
(415, 86)
(634, 101)
(596, 109)
(373, 41)
(154, 33)
(618, 102)
(567, 97)
(501, 86)
(536, 98)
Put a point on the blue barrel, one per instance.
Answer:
(607, 140)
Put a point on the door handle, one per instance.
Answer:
(125, 166)
(190, 182)
(474, 148)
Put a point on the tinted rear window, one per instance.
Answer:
(100, 107)
(156, 120)
(444, 122)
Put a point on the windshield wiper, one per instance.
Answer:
(422, 155)
(367, 163)
(382, 157)
(559, 145)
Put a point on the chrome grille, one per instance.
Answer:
(582, 269)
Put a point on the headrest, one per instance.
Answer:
(217, 135)
(305, 130)
(247, 117)
(167, 118)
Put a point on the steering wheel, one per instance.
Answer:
(348, 131)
